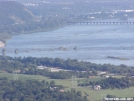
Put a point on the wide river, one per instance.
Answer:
(83, 42)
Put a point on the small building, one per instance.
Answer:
(2, 44)
(92, 77)
(62, 91)
(97, 87)
(107, 76)
(17, 71)
(102, 73)
(53, 88)
(42, 67)
(3, 71)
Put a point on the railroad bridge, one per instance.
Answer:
(101, 23)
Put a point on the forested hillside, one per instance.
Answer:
(15, 18)
(13, 13)
(26, 16)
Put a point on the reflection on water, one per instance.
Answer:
(83, 42)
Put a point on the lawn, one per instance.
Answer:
(95, 78)
(65, 82)
(94, 95)
(97, 95)
(85, 80)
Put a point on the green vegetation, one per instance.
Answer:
(28, 65)
(93, 94)
(12, 12)
(74, 64)
(112, 83)
(17, 19)
(87, 80)
(81, 69)
(97, 95)
(23, 77)
(33, 90)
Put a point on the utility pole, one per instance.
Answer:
(15, 75)
(74, 81)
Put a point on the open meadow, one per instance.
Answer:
(94, 95)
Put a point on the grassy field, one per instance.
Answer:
(95, 78)
(65, 82)
(94, 95)
(97, 95)
(85, 80)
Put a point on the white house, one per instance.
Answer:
(97, 87)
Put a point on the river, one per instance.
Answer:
(83, 42)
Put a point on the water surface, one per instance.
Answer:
(82, 42)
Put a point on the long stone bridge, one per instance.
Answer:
(101, 23)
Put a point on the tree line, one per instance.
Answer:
(11, 63)
(112, 83)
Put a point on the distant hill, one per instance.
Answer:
(12, 13)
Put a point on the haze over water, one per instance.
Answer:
(82, 42)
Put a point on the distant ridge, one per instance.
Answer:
(12, 12)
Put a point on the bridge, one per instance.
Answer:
(101, 23)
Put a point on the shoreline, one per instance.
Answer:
(1, 44)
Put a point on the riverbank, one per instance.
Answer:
(6, 36)
(1, 44)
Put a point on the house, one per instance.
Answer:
(42, 67)
(1, 44)
(102, 73)
(53, 88)
(97, 87)
(62, 91)
(92, 77)
(17, 71)
(107, 76)
(51, 69)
